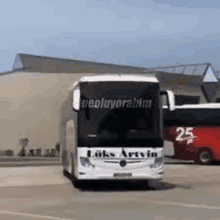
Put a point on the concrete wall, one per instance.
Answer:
(30, 107)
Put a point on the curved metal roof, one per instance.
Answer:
(43, 64)
(201, 74)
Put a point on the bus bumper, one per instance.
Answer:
(156, 174)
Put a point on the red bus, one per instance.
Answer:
(194, 130)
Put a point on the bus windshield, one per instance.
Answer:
(119, 114)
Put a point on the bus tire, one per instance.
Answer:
(65, 173)
(204, 157)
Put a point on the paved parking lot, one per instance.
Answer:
(188, 191)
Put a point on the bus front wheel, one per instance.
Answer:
(204, 157)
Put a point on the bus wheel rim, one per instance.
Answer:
(205, 157)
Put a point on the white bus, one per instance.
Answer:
(118, 129)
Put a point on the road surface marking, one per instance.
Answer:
(184, 204)
(174, 166)
(32, 215)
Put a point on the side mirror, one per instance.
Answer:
(76, 99)
(169, 100)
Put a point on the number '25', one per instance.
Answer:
(187, 131)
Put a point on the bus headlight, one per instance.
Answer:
(157, 162)
(86, 162)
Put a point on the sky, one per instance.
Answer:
(140, 33)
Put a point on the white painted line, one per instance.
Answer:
(174, 166)
(185, 205)
(32, 215)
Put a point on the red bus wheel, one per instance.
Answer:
(204, 157)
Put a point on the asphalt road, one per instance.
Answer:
(188, 191)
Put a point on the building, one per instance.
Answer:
(35, 95)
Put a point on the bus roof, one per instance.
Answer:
(119, 77)
(116, 77)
